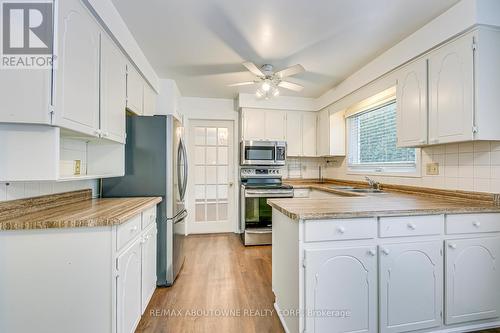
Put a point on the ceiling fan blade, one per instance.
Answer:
(241, 84)
(253, 68)
(290, 86)
(292, 70)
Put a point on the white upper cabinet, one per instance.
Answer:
(309, 122)
(411, 97)
(135, 91)
(341, 279)
(77, 71)
(262, 124)
(113, 90)
(331, 133)
(411, 286)
(149, 103)
(472, 279)
(301, 133)
(451, 92)
(293, 133)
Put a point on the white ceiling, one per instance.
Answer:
(202, 43)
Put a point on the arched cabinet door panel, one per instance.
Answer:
(472, 279)
(341, 290)
(411, 286)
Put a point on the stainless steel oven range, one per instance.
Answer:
(257, 185)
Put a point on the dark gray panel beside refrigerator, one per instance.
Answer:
(156, 165)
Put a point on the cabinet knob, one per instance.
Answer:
(372, 253)
(476, 224)
(143, 240)
(385, 251)
(412, 226)
(422, 141)
(452, 246)
(133, 229)
(341, 229)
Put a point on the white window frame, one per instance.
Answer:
(390, 169)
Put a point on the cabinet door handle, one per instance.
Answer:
(452, 246)
(385, 251)
(422, 141)
(476, 224)
(372, 253)
(341, 230)
(412, 226)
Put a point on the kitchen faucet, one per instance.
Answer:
(372, 183)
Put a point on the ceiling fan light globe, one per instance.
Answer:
(276, 92)
(266, 86)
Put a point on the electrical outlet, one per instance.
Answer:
(432, 169)
(78, 164)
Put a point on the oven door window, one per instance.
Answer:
(257, 212)
(259, 153)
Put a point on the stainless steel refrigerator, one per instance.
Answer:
(156, 165)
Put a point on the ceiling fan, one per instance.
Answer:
(269, 80)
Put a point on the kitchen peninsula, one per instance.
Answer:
(402, 259)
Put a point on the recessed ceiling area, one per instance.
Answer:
(202, 43)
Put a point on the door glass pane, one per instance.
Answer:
(199, 136)
(199, 192)
(199, 155)
(222, 155)
(199, 174)
(200, 212)
(212, 212)
(223, 211)
(211, 175)
(222, 174)
(222, 192)
(222, 136)
(211, 192)
(211, 136)
(211, 155)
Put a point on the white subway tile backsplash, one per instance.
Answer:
(465, 171)
(482, 172)
(495, 185)
(466, 147)
(495, 157)
(450, 171)
(451, 183)
(495, 172)
(436, 150)
(15, 190)
(466, 159)
(466, 184)
(482, 185)
(482, 158)
(20, 190)
(482, 146)
(3, 191)
(451, 148)
(451, 159)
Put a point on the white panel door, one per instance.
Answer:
(135, 91)
(451, 87)
(211, 149)
(309, 122)
(411, 97)
(472, 279)
(113, 90)
(411, 286)
(294, 133)
(77, 71)
(148, 262)
(128, 289)
(254, 124)
(344, 282)
(274, 124)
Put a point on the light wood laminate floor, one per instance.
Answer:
(219, 274)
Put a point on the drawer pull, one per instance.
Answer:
(412, 226)
(476, 224)
(385, 251)
(372, 253)
(452, 246)
(341, 230)
(133, 229)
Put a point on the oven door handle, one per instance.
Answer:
(250, 231)
(267, 194)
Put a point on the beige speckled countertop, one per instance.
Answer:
(70, 210)
(394, 202)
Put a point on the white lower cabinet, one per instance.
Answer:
(472, 279)
(128, 288)
(343, 282)
(148, 260)
(410, 286)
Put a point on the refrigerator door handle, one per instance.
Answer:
(182, 177)
(184, 187)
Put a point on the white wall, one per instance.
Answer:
(21, 190)
(465, 166)
(194, 108)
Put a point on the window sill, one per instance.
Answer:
(386, 172)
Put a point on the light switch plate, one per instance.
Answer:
(432, 169)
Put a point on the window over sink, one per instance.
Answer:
(372, 139)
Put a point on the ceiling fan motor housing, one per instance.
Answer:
(267, 69)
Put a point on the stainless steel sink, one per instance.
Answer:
(364, 190)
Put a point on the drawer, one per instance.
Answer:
(341, 229)
(148, 217)
(128, 230)
(402, 226)
(301, 193)
(472, 223)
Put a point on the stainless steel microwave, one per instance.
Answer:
(262, 152)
